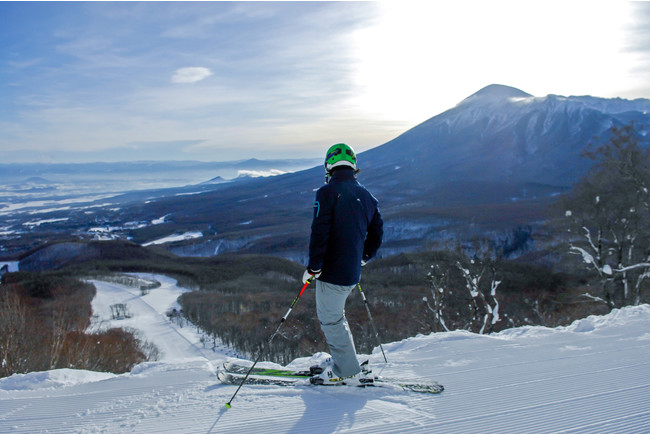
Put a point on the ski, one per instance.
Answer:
(234, 373)
(239, 368)
(235, 379)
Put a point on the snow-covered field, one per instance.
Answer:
(12, 266)
(590, 377)
(176, 237)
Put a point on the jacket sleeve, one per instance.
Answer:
(374, 237)
(320, 229)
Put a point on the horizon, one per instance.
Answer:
(201, 162)
(87, 82)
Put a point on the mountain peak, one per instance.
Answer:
(496, 93)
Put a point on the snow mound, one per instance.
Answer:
(617, 317)
(52, 379)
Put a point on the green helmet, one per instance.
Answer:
(340, 155)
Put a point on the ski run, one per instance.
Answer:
(590, 377)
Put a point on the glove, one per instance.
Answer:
(310, 275)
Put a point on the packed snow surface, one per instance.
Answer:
(589, 377)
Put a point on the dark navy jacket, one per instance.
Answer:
(347, 228)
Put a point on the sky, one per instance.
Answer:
(220, 81)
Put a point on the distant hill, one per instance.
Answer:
(37, 180)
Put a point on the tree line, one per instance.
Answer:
(399, 292)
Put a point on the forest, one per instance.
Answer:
(44, 320)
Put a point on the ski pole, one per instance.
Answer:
(295, 300)
(365, 301)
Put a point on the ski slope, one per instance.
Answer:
(590, 377)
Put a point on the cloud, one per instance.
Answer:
(286, 82)
(638, 32)
(191, 74)
(259, 173)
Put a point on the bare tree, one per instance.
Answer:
(60, 326)
(608, 217)
(439, 279)
(475, 307)
(13, 324)
(473, 273)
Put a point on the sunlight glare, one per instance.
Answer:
(421, 58)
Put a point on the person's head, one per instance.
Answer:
(340, 156)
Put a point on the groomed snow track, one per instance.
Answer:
(590, 377)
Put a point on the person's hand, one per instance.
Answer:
(310, 275)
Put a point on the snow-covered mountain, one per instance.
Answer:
(589, 377)
(488, 165)
(502, 139)
(491, 163)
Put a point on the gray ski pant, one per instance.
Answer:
(330, 308)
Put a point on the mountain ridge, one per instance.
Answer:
(472, 170)
(495, 93)
(468, 163)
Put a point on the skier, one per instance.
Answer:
(346, 232)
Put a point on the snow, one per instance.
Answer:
(259, 173)
(176, 237)
(44, 221)
(12, 266)
(40, 206)
(586, 256)
(193, 193)
(160, 220)
(54, 379)
(589, 377)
